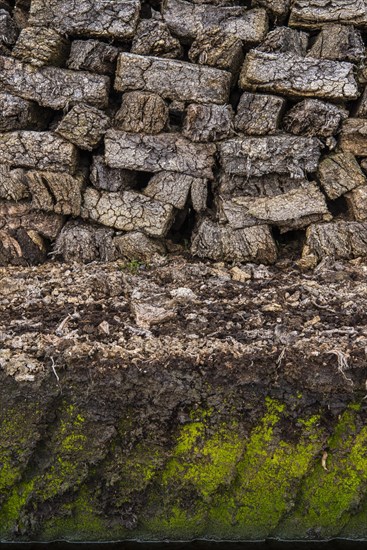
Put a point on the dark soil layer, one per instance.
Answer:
(183, 400)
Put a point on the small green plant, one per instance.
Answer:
(132, 266)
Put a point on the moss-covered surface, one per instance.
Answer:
(233, 469)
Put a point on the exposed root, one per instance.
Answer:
(342, 364)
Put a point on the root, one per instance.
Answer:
(342, 364)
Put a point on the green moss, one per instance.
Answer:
(11, 509)
(18, 434)
(328, 498)
(77, 520)
(67, 450)
(267, 478)
(204, 462)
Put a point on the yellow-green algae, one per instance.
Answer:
(328, 498)
(18, 434)
(214, 482)
(77, 520)
(65, 471)
(267, 478)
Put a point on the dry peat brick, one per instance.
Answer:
(95, 18)
(357, 203)
(110, 179)
(93, 56)
(153, 37)
(171, 188)
(55, 191)
(169, 152)
(199, 194)
(217, 48)
(269, 185)
(53, 87)
(258, 114)
(187, 20)
(142, 112)
(15, 216)
(40, 150)
(285, 40)
(172, 79)
(222, 242)
(127, 211)
(8, 29)
(353, 137)
(291, 75)
(278, 9)
(17, 113)
(84, 126)
(208, 122)
(12, 186)
(340, 173)
(313, 117)
(293, 210)
(339, 42)
(82, 242)
(339, 240)
(314, 14)
(362, 105)
(40, 46)
(281, 154)
(137, 246)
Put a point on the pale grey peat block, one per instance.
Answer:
(174, 188)
(340, 173)
(285, 40)
(353, 137)
(96, 18)
(217, 48)
(278, 9)
(293, 210)
(8, 29)
(313, 117)
(339, 42)
(222, 242)
(313, 14)
(14, 216)
(84, 126)
(83, 242)
(269, 185)
(94, 56)
(142, 112)
(148, 153)
(187, 20)
(40, 46)
(208, 122)
(258, 114)
(292, 75)
(153, 37)
(280, 154)
(51, 86)
(137, 246)
(12, 186)
(357, 203)
(172, 79)
(17, 113)
(55, 191)
(338, 240)
(127, 211)
(110, 179)
(39, 150)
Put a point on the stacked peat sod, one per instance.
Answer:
(127, 126)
